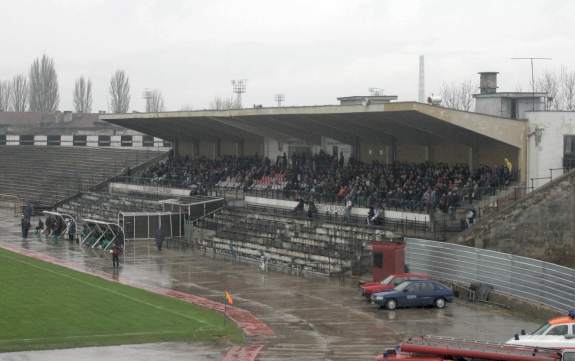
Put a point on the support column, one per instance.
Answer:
(430, 153)
(196, 151)
(473, 157)
(218, 148)
(356, 149)
(393, 148)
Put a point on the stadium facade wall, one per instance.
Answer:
(550, 145)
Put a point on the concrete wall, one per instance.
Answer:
(450, 153)
(273, 148)
(493, 153)
(503, 107)
(491, 106)
(328, 144)
(337, 209)
(207, 149)
(253, 147)
(186, 148)
(548, 153)
(228, 148)
(370, 152)
(540, 225)
(413, 153)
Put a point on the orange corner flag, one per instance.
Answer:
(229, 299)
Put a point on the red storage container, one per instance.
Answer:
(388, 259)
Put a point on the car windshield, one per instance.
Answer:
(402, 286)
(387, 280)
(541, 330)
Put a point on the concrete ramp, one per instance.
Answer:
(540, 225)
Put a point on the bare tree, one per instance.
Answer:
(457, 96)
(119, 92)
(83, 95)
(549, 83)
(19, 94)
(219, 103)
(567, 89)
(154, 101)
(43, 82)
(4, 96)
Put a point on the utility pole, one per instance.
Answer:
(532, 74)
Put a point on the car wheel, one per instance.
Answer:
(440, 303)
(391, 305)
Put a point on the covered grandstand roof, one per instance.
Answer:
(403, 121)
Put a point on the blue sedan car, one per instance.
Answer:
(414, 294)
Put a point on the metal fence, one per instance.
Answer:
(526, 278)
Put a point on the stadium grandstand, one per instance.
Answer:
(324, 180)
(45, 176)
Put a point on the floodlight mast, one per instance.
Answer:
(239, 87)
(279, 98)
(147, 95)
(532, 74)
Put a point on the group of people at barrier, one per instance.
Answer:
(331, 178)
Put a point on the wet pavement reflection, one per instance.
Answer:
(313, 318)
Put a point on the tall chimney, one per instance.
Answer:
(488, 82)
(421, 79)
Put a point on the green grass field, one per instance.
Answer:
(44, 306)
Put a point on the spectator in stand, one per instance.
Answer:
(329, 178)
(347, 211)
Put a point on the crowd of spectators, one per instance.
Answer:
(323, 177)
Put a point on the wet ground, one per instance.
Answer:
(313, 319)
(168, 351)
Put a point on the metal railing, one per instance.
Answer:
(529, 279)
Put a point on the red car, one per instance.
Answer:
(390, 282)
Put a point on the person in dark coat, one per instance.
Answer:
(116, 250)
(159, 238)
(25, 225)
(72, 231)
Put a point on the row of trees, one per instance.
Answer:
(560, 87)
(39, 91)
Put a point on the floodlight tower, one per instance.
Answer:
(279, 98)
(375, 92)
(147, 95)
(239, 87)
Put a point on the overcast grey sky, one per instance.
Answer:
(311, 50)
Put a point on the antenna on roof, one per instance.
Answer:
(279, 98)
(532, 74)
(239, 87)
(375, 92)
